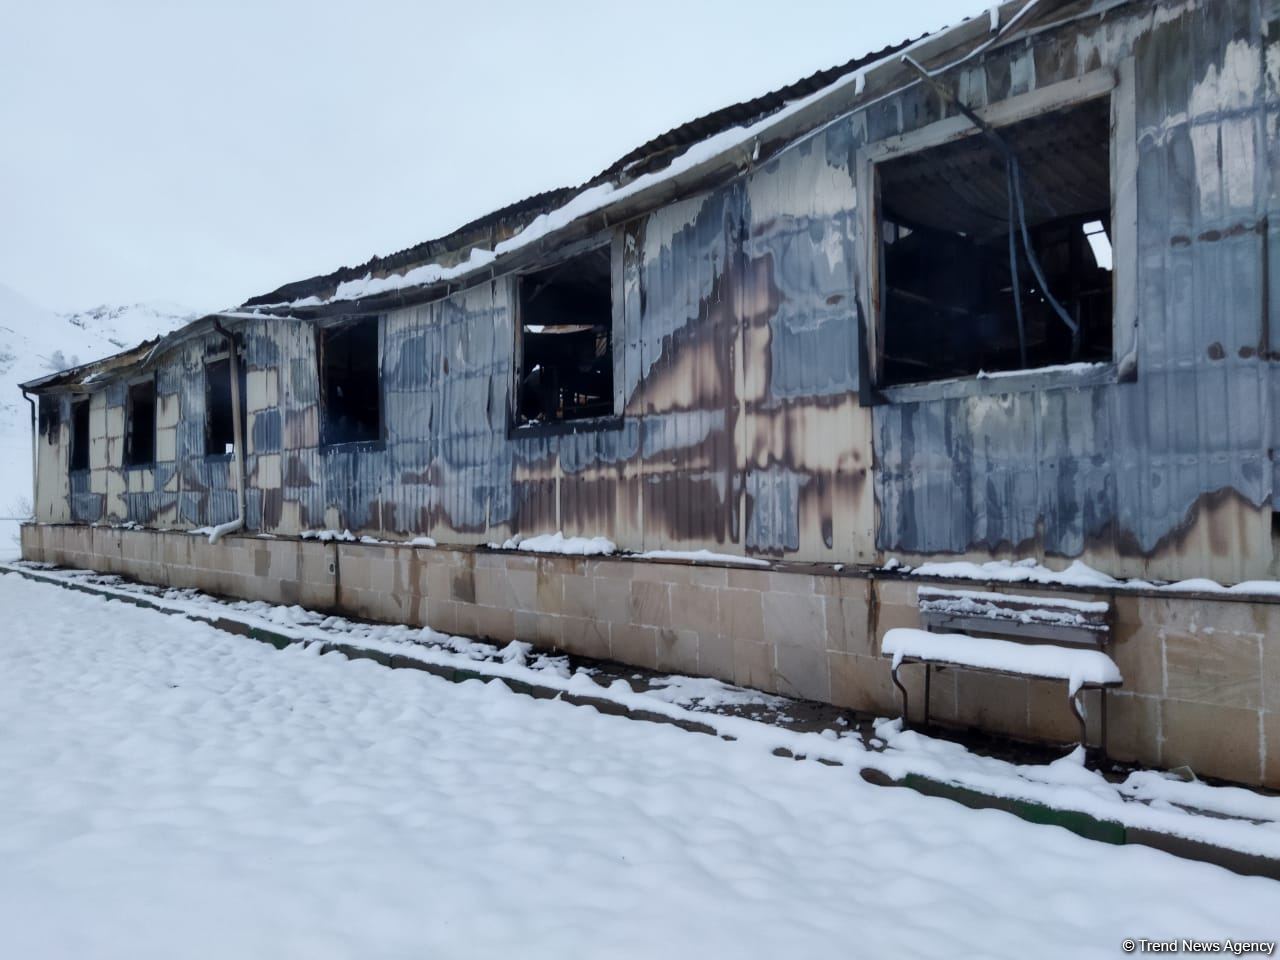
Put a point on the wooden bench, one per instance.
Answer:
(1045, 638)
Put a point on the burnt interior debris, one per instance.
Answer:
(953, 282)
(566, 331)
(79, 459)
(140, 432)
(350, 383)
(219, 424)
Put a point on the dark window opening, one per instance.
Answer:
(566, 331)
(951, 289)
(80, 433)
(351, 388)
(50, 418)
(140, 431)
(219, 425)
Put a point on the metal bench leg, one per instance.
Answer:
(1103, 695)
(1079, 714)
(928, 676)
(893, 673)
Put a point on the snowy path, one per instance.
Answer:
(170, 791)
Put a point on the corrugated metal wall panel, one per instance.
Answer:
(806, 443)
(1123, 472)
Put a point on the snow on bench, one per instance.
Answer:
(1048, 638)
(1080, 668)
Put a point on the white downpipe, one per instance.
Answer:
(237, 435)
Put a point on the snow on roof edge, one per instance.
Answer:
(140, 354)
(597, 197)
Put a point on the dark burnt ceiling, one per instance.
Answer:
(961, 187)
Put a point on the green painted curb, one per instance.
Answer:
(1091, 828)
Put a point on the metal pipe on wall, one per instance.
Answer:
(35, 454)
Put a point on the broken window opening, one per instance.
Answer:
(79, 456)
(960, 296)
(219, 425)
(350, 383)
(566, 345)
(140, 430)
(1095, 232)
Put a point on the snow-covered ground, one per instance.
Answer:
(1227, 818)
(35, 342)
(10, 546)
(170, 790)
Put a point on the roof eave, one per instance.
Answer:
(879, 79)
(134, 360)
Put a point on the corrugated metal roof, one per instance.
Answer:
(657, 152)
(504, 221)
(650, 156)
(85, 373)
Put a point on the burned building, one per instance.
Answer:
(1002, 292)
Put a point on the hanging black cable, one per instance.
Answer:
(1015, 189)
(1013, 266)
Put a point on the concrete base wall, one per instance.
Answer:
(1202, 673)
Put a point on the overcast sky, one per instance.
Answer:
(205, 153)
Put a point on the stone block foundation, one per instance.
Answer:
(1202, 672)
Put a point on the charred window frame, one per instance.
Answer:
(950, 334)
(50, 421)
(567, 334)
(78, 457)
(140, 424)
(349, 355)
(219, 424)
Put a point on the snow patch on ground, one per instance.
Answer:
(706, 693)
(1154, 785)
(171, 790)
(1067, 785)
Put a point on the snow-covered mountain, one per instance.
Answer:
(34, 342)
